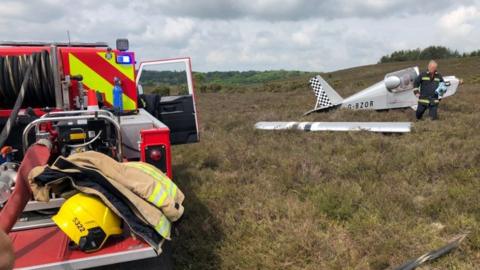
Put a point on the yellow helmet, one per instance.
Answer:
(87, 221)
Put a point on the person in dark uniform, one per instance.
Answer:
(426, 84)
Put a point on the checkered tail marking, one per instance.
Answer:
(322, 99)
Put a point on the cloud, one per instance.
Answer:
(299, 9)
(460, 27)
(40, 11)
(460, 21)
(174, 32)
(243, 35)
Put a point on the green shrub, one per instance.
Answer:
(337, 201)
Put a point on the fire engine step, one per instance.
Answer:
(48, 248)
(37, 206)
(33, 224)
(38, 214)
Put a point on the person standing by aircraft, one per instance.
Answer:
(426, 85)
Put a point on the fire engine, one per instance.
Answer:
(46, 94)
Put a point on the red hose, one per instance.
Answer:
(36, 155)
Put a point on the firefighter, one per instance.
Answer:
(426, 85)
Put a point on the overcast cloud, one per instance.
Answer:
(244, 35)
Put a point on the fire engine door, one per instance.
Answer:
(172, 81)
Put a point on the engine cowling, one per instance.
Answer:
(392, 82)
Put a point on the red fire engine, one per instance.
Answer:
(44, 95)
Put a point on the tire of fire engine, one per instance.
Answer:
(16, 108)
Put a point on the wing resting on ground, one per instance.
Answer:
(383, 127)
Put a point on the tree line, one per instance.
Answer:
(432, 52)
(152, 77)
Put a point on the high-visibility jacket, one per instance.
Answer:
(142, 178)
(428, 83)
(152, 197)
(71, 179)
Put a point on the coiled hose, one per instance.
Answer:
(25, 80)
(40, 89)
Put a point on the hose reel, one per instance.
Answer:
(19, 73)
(40, 89)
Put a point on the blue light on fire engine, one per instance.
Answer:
(124, 59)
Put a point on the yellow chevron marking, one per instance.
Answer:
(94, 81)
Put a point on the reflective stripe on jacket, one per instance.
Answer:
(143, 179)
(428, 101)
(164, 189)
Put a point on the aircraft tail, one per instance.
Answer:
(326, 96)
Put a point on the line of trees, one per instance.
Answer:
(249, 77)
(152, 77)
(432, 52)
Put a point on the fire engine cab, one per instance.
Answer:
(84, 97)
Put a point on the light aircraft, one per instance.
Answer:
(395, 91)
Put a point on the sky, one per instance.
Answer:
(220, 35)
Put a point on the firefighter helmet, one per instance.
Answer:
(87, 221)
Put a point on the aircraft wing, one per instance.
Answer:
(382, 127)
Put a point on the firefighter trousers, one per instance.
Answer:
(432, 110)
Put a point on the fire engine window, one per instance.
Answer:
(166, 79)
(406, 76)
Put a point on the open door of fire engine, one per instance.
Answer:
(167, 92)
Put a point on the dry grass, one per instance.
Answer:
(293, 200)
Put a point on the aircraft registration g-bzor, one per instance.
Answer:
(395, 91)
